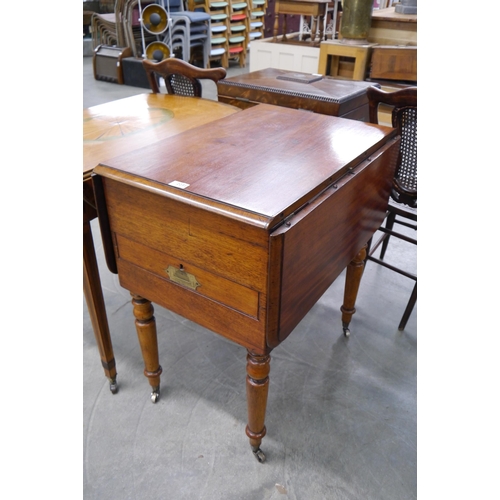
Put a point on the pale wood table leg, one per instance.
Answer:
(352, 281)
(321, 21)
(276, 27)
(314, 29)
(96, 307)
(145, 325)
(258, 367)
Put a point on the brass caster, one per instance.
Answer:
(345, 327)
(155, 394)
(113, 386)
(259, 455)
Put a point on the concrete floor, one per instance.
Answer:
(341, 416)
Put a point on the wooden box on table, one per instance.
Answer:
(242, 224)
(329, 96)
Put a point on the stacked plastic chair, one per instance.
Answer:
(257, 13)
(219, 27)
(239, 31)
(188, 31)
(198, 5)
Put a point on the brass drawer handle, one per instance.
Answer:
(183, 278)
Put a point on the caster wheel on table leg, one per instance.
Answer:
(155, 394)
(113, 386)
(259, 455)
(345, 328)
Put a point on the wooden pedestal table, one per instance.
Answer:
(109, 130)
(314, 8)
(241, 225)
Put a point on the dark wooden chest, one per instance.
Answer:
(321, 94)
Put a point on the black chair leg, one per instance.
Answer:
(409, 308)
(368, 246)
(388, 225)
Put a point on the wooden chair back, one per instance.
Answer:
(404, 118)
(180, 77)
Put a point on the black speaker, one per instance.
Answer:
(134, 73)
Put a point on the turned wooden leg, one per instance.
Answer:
(145, 325)
(321, 21)
(258, 367)
(97, 310)
(314, 29)
(276, 28)
(352, 281)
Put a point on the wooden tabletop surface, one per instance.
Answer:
(263, 160)
(125, 125)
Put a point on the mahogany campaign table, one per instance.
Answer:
(242, 224)
(109, 130)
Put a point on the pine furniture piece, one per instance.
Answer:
(331, 53)
(242, 224)
(112, 129)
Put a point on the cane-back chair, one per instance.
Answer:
(181, 77)
(402, 207)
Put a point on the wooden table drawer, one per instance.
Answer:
(202, 282)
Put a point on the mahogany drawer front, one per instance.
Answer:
(231, 250)
(206, 284)
(219, 318)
